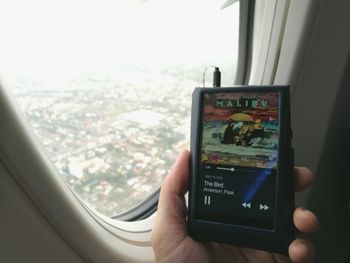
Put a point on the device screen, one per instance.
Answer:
(237, 170)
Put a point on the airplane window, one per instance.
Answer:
(106, 85)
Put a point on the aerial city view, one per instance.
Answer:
(112, 138)
(109, 94)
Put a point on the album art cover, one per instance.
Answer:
(240, 129)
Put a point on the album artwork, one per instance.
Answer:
(240, 129)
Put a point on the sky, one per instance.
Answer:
(45, 37)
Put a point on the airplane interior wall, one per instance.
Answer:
(331, 193)
(321, 125)
(25, 234)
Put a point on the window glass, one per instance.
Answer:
(106, 85)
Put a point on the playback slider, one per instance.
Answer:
(226, 169)
(231, 169)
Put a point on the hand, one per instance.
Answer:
(171, 242)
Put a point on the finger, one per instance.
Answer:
(303, 178)
(305, 221)
(301, 251)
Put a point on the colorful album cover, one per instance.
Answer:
(240, 129)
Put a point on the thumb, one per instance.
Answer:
(176, 184)
(170, 223)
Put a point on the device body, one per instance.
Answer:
(241, 188)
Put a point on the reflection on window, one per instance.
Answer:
(106, 85)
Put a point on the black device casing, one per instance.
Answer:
(275, 240)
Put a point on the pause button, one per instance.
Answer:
(207, 199)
